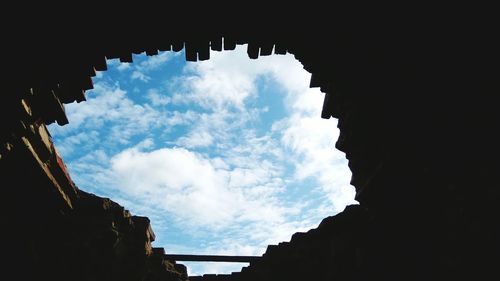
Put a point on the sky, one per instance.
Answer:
(225, 156)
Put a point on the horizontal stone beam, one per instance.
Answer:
(212, 258)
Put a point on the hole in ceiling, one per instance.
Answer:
(225, 156)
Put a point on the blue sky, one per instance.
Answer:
(225, 156)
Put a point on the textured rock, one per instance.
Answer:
(59, 232)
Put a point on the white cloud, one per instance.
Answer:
(198, 269)
(140, 75)
(123, 66)
(113, 62)
(215, 128)
(110, 115)
(312, 140)
(249, 239)
(181, 118)
(90, 172)
(157, 99)
(224, 80)
(196, 139)
(231, 78)
(228, 78)
(157, 61)
(210, 196)
(141, 69)
(76, 141)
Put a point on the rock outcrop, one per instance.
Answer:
(56, 231)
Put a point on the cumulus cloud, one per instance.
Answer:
(194, 188)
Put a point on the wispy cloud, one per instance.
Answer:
(156, 98)
(141, 70)
(105, 105)
(196, 139)
(76, 141)
(123, 66)
(108, 114)
(155, 62)
(140, 75)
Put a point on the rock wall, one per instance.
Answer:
(54, 231)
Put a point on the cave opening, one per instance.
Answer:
(225, 156)
(416, 103)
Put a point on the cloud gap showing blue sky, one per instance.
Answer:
(225, 156)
